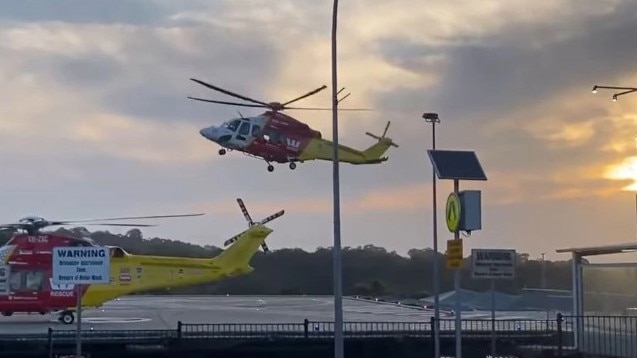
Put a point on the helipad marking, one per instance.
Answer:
(114, 320)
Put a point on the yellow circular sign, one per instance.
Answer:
(452, 213)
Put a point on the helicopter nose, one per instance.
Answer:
(207, 132)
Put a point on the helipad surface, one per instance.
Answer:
(163, 312)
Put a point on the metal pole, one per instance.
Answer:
(575, 289)
(543, 272)
(456, 236)
(436, 263)
(493, 318)
(338, 295)
(78, 332)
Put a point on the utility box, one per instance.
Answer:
(471, 213)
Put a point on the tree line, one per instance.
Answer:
(367, 270)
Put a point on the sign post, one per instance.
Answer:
(462, 214)
(81, 266)
(493, 264)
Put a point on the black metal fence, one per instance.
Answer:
(601, 336)
(604, 336)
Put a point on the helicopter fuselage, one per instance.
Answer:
(272, 136)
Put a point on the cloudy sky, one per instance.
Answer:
(94, 119)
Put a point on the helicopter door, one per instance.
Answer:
(242, 134)
(5, 272)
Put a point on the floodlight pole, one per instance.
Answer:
(456, 287)
(627, 90)
(338, 294)
(78, 331)
(543, 284)
(433, 119)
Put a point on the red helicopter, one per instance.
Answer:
(276, 137)
(26, 265)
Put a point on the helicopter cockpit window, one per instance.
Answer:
(117, 252)
(255, 130)
(233, 124)
(244, 129)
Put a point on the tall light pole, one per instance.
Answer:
(433, 119)
(336, 254)
(543, 272)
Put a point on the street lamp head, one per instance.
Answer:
(431, 117)
(626, 90)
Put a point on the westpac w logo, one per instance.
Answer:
(60, 286)
(293, 143)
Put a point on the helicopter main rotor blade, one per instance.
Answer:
(228, 103)
(123, 218)
(116, 224)
(12, 226)
(328, 109)
(245, 212)
(305, 95)
(228, 92)
(272, 217)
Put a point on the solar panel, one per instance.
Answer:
(456, 164)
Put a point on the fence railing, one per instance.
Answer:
(540, 332)
(608, 336)
(612, 336)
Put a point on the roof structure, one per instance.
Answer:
(601, 250)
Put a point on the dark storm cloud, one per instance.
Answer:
(82, 11)
(92, 71)
(153, 79)
(160, 83)
(522, 65)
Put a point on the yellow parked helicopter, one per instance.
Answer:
(26, 283)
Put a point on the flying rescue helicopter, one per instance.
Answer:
(26, 284)
(276, 137)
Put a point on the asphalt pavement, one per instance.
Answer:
(163, 312)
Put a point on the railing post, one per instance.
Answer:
(50, 341)
(306, 327)
(560, 319)
(179, 330)
(432, 330)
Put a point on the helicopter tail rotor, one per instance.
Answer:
(251, 223)
(382, 137)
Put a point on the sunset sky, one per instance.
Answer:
(94, 119)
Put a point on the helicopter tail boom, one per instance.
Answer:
(322, 149)
(237, 256)
(374, 154)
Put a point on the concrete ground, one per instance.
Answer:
(163, 312)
